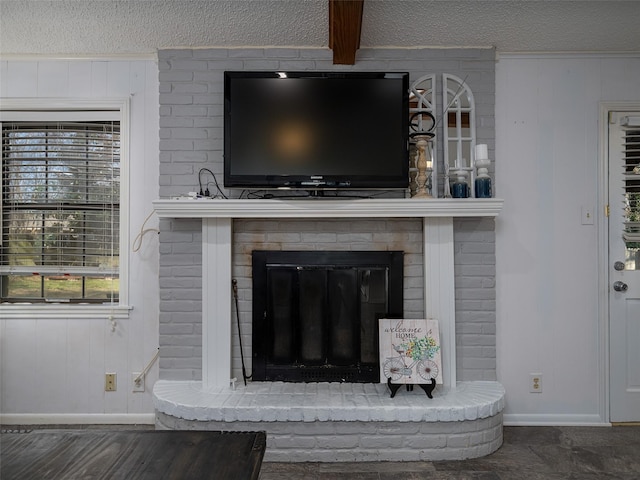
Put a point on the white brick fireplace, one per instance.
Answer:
(472, 410)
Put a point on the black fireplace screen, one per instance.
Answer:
(315, 314)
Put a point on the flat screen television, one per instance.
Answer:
(316, 130)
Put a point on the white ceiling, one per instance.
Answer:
(104, 27)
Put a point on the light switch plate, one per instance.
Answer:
(587, 216)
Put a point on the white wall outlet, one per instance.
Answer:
(137, 382)
(109, 382)
(535, 383)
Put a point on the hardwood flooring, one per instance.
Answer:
(528, 453)
(143, 454)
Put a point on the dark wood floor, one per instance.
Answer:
(135, 454)
(528, 453)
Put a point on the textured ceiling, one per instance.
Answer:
(99, 27)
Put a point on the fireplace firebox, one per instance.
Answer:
(315, 313)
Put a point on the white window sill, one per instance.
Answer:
(53, 311)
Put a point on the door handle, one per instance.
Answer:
(620, 286)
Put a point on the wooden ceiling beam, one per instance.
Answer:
(345, 24)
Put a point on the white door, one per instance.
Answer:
(624, 266)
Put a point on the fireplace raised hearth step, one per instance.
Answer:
(343, 421)
(308, 402)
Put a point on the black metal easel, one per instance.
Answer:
(427, 387)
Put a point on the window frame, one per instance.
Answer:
(39, 109)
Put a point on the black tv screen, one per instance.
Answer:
(316, 130)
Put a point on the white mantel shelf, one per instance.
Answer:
(325, 208)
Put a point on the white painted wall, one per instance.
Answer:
(549, 316)
(547, 284)
(53, 370)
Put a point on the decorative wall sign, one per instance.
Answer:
(410, 351)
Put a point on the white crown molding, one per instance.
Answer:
(112, 57)
(568, 54)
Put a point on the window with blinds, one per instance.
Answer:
(631, 164)
(60, 211)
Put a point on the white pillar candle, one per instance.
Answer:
(481, 152)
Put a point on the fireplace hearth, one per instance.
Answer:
(315, 313)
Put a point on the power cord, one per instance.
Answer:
(140, 378)
(137, 242)
(206, 192)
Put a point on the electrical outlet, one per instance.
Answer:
(535, 383)
(110, 382)
(137, 382)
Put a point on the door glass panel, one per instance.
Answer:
(631, 234)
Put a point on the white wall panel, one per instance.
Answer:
(4, 73)
(22, 79)
(49, 351)
(623, 84)
(78, 379)
(99, 79)
(58, 366)
(119, 81)
(547, 169)
(99, 329)
(19, 374)
(53, 79)
(80, 79)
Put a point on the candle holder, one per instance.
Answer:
(424, 163)
(413, 183)
(447, 180)
(413, 170)
(460, 187)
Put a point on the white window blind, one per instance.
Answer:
(631, 165)
(60, 211)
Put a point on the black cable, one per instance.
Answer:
(234, 282)
(215, 180)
